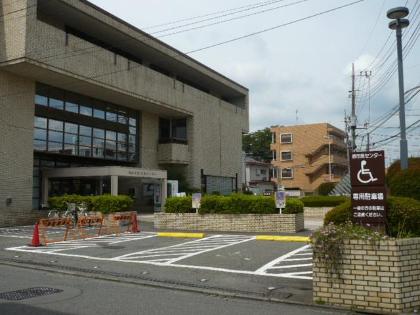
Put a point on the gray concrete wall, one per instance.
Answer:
(16, 149)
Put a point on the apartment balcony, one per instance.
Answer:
(173, 153)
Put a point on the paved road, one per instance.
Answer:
(79, 295)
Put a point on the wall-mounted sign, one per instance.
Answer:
(368, 195)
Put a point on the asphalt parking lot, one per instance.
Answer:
(230, 262)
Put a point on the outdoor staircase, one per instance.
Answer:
(343, 188)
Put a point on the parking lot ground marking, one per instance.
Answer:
(187, 249)
(290, 266)
(181, 235)
(280, 238)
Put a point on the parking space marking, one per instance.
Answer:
(171, 254)
(84, 243)
(281, 263)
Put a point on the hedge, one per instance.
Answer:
(103, 203)
(406, 184)
(323, 201)
(403, 216)
(233, 204)
(325, 188)
(395, 168)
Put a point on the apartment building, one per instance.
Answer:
(91, 105)
(257, 176)
(308, 155)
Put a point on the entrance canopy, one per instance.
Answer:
(114, 172)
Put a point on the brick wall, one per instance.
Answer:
(230, 222)
(317, 212)
(383, 277)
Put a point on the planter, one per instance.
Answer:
(230, 222)
(382, 277)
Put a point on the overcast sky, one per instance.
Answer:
(302, 68)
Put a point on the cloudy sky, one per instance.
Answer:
(299, 72)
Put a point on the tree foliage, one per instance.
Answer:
(257, 144)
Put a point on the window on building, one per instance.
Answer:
(286, 155)
(286, 173)
(286, 138)
(263, 171)
(173, 130)
(274, 155)
(273, 137)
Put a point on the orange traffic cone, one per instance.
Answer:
(35, 237)
(134, 226)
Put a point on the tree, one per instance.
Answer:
(257, 144)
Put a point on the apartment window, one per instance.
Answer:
(286, 173)
(263, 171)
(286, 155)
(286, 138)
(274, 155)
(273, 137)
(172, 130)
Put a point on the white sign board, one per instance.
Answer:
(196, 200)
(280, 199)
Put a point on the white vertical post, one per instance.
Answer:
(114, 185)
(164, 192)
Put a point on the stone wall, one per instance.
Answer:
(316, 212)
(230, 222)
(384, 277)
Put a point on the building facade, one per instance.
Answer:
(257, 176)
(81, 88)
(308, 155)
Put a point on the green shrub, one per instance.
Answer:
(323, 201)
(215, 204)
(179, 205)
(325, 188)
(60, 202)
(293, 206)
(108, 204)
(403, 216)
(395, 168)
(103, 203)
(406, 184)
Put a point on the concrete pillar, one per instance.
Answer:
(44, 190)
(164, 193)
(114, 185)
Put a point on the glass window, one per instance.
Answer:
(109, 153)
(286, 173)
(71, 107)
(70, 138)
(286, 138)
(56, 147)
(85, 131)
(70, 149)
(112, 145)
(274, 155)
(85, 110)
(179, 129)
(40, 145)
(86, 141)
(132, 121)
(164, 128)
(55, 136)
(122, 137)
(132, 140)
(273, 137)
(98, 133)
(70, 128)
(84, 151)
(286, 156)
(111, 135)
(97, 113)
(41, 100)
(122, 118)
(40, 134)
(132, 130)
(57, 104)
(55, 125)
(111, 116)
(40, 122)
(98, 143)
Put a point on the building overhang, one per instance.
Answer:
(49, 75)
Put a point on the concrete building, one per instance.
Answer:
(257, 176)
(90, 104)
(308, 155)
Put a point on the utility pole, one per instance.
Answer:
(353, 111)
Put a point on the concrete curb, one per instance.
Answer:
(181, 234)
(279, 238)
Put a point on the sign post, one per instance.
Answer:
(280, 200)
(368, 195)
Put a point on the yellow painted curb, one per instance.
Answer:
(183, 235)
(279, 238)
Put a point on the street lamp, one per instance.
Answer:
(398, 23)
(329, 155)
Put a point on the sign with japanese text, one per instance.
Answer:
(368, 196)
(280, 197)
(196, 200)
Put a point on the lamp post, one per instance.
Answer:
(398, 23)
(329, 155)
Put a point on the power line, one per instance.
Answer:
(275, 27)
